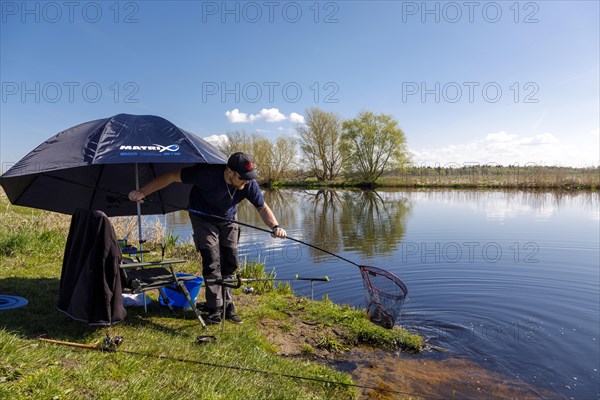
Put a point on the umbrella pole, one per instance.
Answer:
(139, 214)
(164, 243)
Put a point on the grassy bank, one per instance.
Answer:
(482, 177)
(159, 356)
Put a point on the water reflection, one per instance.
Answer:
(364, 222)
(357, 221)
(323, 217)
(505, 205)
(372, 225)
(373, 222)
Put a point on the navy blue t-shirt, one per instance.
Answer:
(209, 193)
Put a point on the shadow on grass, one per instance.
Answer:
(40, 317)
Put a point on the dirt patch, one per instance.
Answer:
(295, 337)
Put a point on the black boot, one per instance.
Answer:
(214, 316)
(231, 315)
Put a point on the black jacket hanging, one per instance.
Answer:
(90, 282)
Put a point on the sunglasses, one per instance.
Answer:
(237, 175)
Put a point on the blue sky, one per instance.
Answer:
(468, 82)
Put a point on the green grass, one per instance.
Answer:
(151, 362)
(332, 344)
(265, 282)
(150, 365)
(146, 366)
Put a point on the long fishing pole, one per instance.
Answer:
(240, 368)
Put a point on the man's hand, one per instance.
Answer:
(137, 196)
(279, 232)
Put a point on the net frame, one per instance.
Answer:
(384, 293)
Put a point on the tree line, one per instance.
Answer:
(327, 148)
(372, 148)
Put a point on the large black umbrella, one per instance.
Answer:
(93, 166)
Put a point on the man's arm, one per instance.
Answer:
(269, 219)
(155, 184)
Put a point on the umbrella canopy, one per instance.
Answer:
(95, 164)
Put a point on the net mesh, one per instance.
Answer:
(384, 293)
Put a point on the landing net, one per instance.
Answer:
(384, 293)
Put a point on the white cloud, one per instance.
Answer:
(235, 116)
(270, 115)
(296, 118)
(217, 140)
(510, 149)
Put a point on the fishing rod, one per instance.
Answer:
(297, 278)
(236, 368)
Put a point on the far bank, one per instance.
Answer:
(466, 177)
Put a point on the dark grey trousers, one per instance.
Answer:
(217, 243)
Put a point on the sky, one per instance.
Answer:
(469, 82)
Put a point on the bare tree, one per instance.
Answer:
(273, 161)
(282, 157)
(237, 141)
(320, 143)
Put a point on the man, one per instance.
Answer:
(216, 191)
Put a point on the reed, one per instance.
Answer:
(516, 177)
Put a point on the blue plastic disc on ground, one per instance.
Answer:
(7, 302)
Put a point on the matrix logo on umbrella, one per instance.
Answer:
(133, 150)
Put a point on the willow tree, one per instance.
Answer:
(320, 139)
(372, 144)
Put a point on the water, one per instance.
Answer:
(508, 279)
